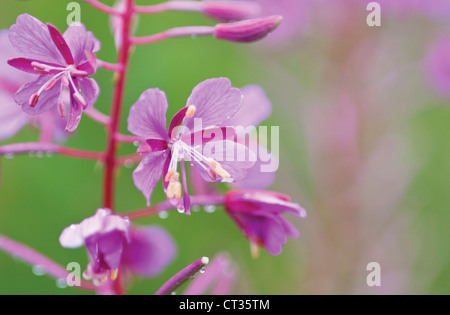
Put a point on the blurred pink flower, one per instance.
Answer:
(437, 66)
(258, 215)
(112, 244)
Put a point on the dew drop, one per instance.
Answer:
(163, 214)
(195, 208)
(61, 283)
(193, 36)
(128, 163)
(127, 220)
(39, 154)
(203, 270)
(38, 270)
(49, 154)
(9, 155)
(180, 209)
(173, 293)
(31, 154)
(136, 143)
(210, 208)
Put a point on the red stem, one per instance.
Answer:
(111, 149)
(116, 109)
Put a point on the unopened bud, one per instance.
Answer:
(248, 30)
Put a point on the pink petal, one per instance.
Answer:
(147, 117)
(12, 118)
(149, 171)
(47, 100)
(149, 252)
(215, 101)
(32, 39)
(80, 41)
(256, 107)
(90, 90)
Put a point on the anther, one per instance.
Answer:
(62, 109)
(191, 111)
(114, 274)
(34, 99)
(169, 175)
(80, 99)
(39, 67)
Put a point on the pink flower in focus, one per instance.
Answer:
(258, 215)
(207, 147)
(61, 61)
(112, 244)
(12, 118)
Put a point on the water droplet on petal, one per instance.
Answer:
(9, 155)
(136, 143)
(39, 154)
(49, 154)
(194, 36)
(173, 293)
(31, 154)
(38, 270)
(180, 209)
(203, 270)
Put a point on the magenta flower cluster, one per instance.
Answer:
(52, 85)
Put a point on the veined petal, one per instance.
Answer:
(32, 39)
(90, 90)
(215, 101)
(149, 171)
(147, 117)
(74, 116)
(150, 250)
(256, 178)
(47, 99)
(80, 41)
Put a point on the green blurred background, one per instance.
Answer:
(363, 147)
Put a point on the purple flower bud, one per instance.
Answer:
(248, 30)
(230, 10)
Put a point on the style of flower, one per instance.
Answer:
(112, 244)
(258, 215)
(12, 118)
(63, 62)
(204, 140)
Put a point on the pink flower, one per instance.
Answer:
(258, 215)
(112, 243)
(437, 66)
(12, 118)
(203, 140)
(61, 61)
